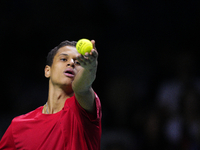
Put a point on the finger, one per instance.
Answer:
(82, 62)
(84, 59)
(93, 43)
(94, 53)
(80, 58)
(91, 58)
(88, 58)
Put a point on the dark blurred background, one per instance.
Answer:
(148, 75)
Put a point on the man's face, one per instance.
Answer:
(64, 67)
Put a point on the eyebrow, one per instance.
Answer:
(63, 54)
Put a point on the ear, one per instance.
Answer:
(47, 71)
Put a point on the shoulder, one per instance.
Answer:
(30, 115)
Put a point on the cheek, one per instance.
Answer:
(55, 71)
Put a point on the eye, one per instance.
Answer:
(77, 62)
(63, 59)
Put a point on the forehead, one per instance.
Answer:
(70, 50)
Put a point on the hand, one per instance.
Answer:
(89, 60)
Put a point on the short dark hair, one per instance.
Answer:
(54, 51)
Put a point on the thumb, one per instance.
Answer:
(93, 43)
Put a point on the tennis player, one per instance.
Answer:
(71, 117)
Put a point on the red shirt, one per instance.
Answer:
(70, 129)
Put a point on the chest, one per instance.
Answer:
(34, 134)
(47, 133)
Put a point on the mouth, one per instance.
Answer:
(69, 73)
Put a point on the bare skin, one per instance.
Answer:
(71, 73)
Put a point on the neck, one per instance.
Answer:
(57, 97)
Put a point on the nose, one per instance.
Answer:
(70, 63)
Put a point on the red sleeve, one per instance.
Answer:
(7, 142)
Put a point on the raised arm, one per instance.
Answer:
(82, 84)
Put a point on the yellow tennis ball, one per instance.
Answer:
(83, 46)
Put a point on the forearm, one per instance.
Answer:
(83, 81)
(82, 86)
